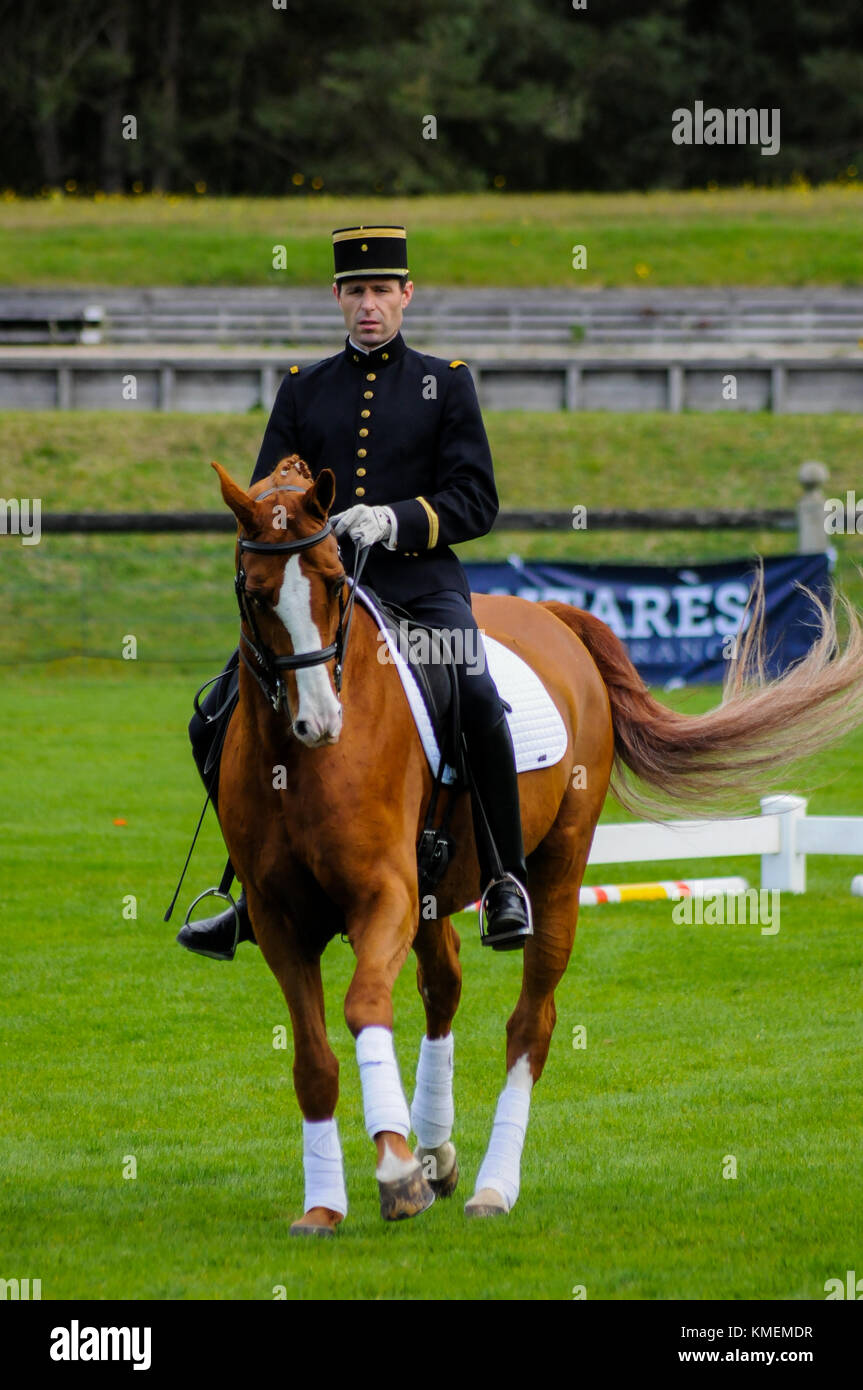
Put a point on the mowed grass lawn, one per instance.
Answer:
(790, 236)
(702, 1042)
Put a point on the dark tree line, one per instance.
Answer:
(248, 98)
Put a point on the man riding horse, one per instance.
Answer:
(403, 434)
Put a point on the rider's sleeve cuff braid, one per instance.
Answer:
(416, 520)
(434, 525)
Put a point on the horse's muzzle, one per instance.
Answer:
(315, 735)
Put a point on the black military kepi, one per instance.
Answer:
(369, 251)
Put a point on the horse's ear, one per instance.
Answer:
(239, 501)
(321, 495)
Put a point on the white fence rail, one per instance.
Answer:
(783, 835)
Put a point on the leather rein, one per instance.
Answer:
(269, 665)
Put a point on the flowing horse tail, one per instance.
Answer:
(716, 763)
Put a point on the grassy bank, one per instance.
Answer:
(782, 237)
(82, 594)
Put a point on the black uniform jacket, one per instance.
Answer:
(398, 429)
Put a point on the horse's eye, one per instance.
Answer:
(258, 601)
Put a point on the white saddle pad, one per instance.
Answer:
(538, 732)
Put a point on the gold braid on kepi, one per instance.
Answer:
(367, 251)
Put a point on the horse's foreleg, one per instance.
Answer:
(316, 1073)
(529, 1033)
(380, 931)
(432, 1112)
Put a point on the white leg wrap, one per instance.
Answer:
(432, 1110)
(322, 1165)
(501, 1167)
(384, 1104)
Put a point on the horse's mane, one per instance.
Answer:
(292, 463)
(299, 466)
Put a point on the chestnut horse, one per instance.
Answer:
(322, 797)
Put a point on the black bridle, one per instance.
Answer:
(269, 665)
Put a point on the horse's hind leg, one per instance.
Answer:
(316, 1072)
(529, 1033)
(439, 983)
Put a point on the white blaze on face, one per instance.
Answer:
(319, 716)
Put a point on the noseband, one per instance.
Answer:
(270, 666)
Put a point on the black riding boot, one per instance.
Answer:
(492, 765)
(216, 937)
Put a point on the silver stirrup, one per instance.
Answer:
(226, 897)
(520, 935)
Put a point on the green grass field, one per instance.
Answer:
(793, 236)
(702, 1042)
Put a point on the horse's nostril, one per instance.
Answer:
(302, 727)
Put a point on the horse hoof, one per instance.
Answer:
(319, 1221)
(406, 1196)
(440, 1168)
(486, 1202)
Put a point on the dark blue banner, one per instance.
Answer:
(678, 625)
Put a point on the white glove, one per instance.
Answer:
(367, 525)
